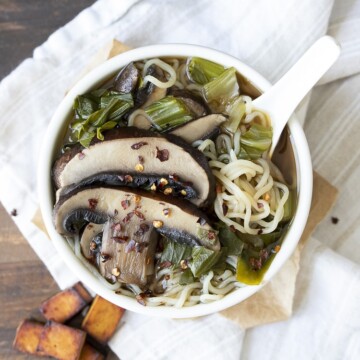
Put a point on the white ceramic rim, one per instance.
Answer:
(56, 127)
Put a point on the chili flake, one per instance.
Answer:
(92, 203)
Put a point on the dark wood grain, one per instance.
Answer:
(24, 280)
(25, 25)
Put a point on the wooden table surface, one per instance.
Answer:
(24, 280)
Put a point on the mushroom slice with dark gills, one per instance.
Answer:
(158, 183)
(128, 251)
(131, 150)
(173, 217)
(200, 129)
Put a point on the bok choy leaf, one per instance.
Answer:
(203, 260)
(221, 90)
(175, 252)
(96, 112)
(255, 141)
(167, 113)
(202, 71)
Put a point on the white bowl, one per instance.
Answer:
(55, 134)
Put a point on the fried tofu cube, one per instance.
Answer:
(102, 319)
(28, 336)
(89, 353)
(79, 287)
(63, 305)
(61, 342)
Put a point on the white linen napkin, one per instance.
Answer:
(270, 36)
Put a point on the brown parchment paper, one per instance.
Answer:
(275, 300)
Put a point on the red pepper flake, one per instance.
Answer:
(264, 254)
(334, 220)
(201, 221)
(138, 145)
(211, 235)
(105, 257)
(141, 159)
(116, 227)
(225, 209)
(218, 188)
(166, 212)
(92, 203)
(125, 204)
(139, 214)
(140, 298)
(93, 245)
(128, 178)
(139, 247)
(162, 155)
(81, 155)
(165, 264)
(260, 231)
(120, 239)
(232, 228)
(128, 217)
(143, 228)
(14, 212)
(130, 246)
(255, 264)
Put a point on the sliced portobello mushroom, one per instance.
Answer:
(200, 129)
(90, 241)
(173, 217)
(128, 252)
(131, 150)
(194, 103)
(157, 183)
(127, 79)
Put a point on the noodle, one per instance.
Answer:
(164, 66)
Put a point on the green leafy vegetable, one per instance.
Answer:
(203, 260)
(86, 137)
(186, 277)
(167, 113)
(84, 106)
(107, 126)
(200, 259)
(203, 71)
(229, 240)
(97, 111)
(221, 90)
(175, 252)
(256, 141)
(289, 207)
(236, 111)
